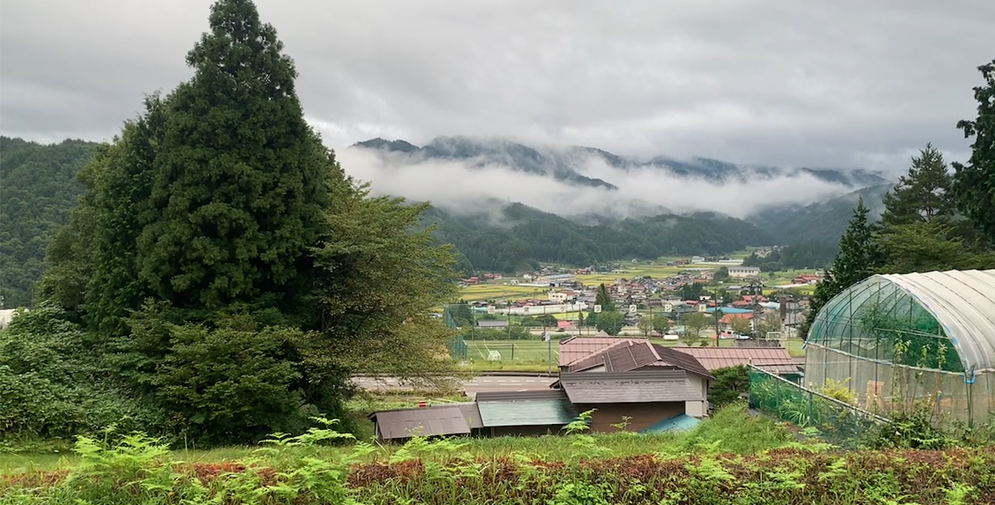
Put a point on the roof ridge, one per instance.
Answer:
(654, 351)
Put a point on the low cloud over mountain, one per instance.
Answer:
(460, 173)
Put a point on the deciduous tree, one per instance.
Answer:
(693, 324)
(610, 322)
(379, 278)
(741, 325)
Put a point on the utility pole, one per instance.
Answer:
(716, 314)
(549, 352)
(757, 288)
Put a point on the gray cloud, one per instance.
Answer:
(645, 191)
(841, 83)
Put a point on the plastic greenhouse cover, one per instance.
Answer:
(963, 302)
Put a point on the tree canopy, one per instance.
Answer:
(974, 183)
(923, 194)
(39, 189)
(225, 267)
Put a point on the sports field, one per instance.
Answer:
(521, 351)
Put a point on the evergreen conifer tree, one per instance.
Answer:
(921, 195)
(974, 183)
(241, 180)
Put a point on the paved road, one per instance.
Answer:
(475, 385)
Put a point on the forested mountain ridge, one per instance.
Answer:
(568, 163)
(38, 188)
(820, 221)
(519, 236)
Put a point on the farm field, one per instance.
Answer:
(504, 289)
(497, 291)
(733, 457)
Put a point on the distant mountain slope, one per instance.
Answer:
(518, 236)
(39, 190)
(480, 154)
(818, 222)
(570, 163)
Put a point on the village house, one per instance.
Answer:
(805, 279)
(627, 383)
(663, 382)
(555, 279)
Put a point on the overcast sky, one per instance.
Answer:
(785, 82)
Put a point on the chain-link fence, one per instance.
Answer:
(835, 421)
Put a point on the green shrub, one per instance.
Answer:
(52, 388)
(730, 384)
(230, 384)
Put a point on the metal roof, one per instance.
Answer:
(575, 348)
(540, 412)
(773, 359)
(640, 386)
(633, 355)
(963, 302)
(454, 419)
(532, 394)
(680, 422)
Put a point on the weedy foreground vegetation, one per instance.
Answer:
(732, 458)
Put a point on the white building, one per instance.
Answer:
(556, 279)
(742, 272)
(5, 317)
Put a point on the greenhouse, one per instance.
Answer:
(918, 340)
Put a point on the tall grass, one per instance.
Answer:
(575, 469)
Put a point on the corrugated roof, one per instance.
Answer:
(533, 394)
(538, 412)
(775, 359)
(629, 387)
(963, 302)
(575, 348)
(455, 419)
(626, 356)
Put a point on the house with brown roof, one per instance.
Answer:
(647, 382)
(579, 347)
(773, 359)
